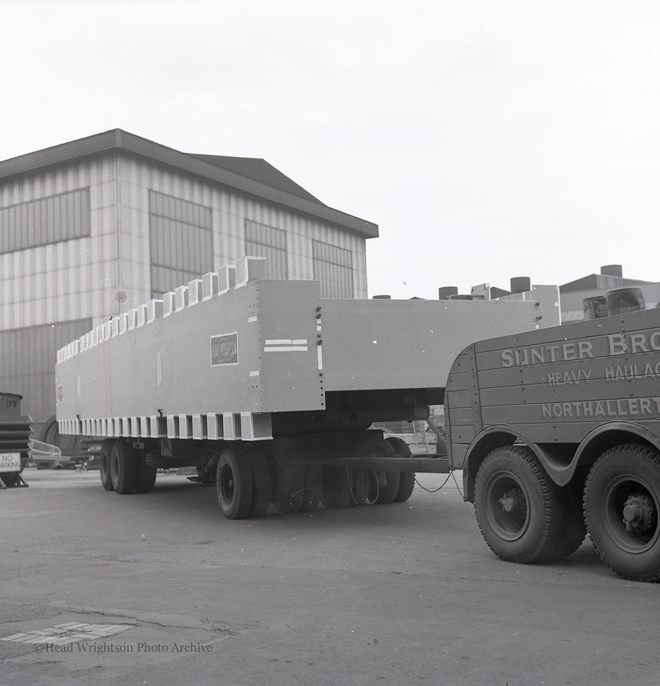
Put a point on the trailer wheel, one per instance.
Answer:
(406, 479)
(234, 484)
(389, 494)
(261, 483)
(122, 468)
(104, 467)
(313, 488)
(518, 507)
(292, 502)
(621, 504)
(145, 474)
(336, 491)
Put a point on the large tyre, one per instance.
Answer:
(105, 470)
(621, 504)
(389, 493)
(234, 483)
(336, 492)
(406, 479)
(518, 507)
(145, 476)
(261, 483)
(292, 502)
(123, 468)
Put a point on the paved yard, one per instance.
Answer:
(160, 589)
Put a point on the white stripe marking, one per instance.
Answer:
(286, 349)
(252, 319)
(254, 373)
(319, 354)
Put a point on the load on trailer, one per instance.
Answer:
(560, 427)
(268, 389)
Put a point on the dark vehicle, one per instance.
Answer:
(15, 430)
(561, 426)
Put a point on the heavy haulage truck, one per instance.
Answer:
(558, 432)
(269, 390)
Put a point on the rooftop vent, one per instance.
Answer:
(612, 270)
(521, 284)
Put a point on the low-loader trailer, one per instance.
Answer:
(269, 390)
(558, 432)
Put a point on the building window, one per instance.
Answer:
(269, 242)
(333, 267)
(181, 241)
(47, 220)
(27, 363)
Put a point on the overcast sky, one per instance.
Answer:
(487, 139)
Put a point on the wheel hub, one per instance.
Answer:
(512, 501)
(639, 514)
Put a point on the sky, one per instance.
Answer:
(487, 139)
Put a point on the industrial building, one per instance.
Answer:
(574, 293)
(94, 227)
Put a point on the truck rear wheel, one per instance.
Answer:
(104, 465)
(517, 506)
(621, 504)
(234, 484)
(406, 479)
(123, 468)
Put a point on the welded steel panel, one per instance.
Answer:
(378, 344)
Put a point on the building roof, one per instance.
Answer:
(259, 170)
(248, 175)
(600, 282)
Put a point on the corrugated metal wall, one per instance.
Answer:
(333, 267)
(231, 211)
(268, 242)
(72, 279)
(181, 241)
(59, 217)
(27, 363)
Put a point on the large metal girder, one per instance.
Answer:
(217, 357)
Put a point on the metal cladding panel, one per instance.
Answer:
(291, 377)
(379, 344)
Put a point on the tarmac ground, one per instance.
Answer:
(160, 589)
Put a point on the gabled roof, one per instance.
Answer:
(259, 170)
(248, 175)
